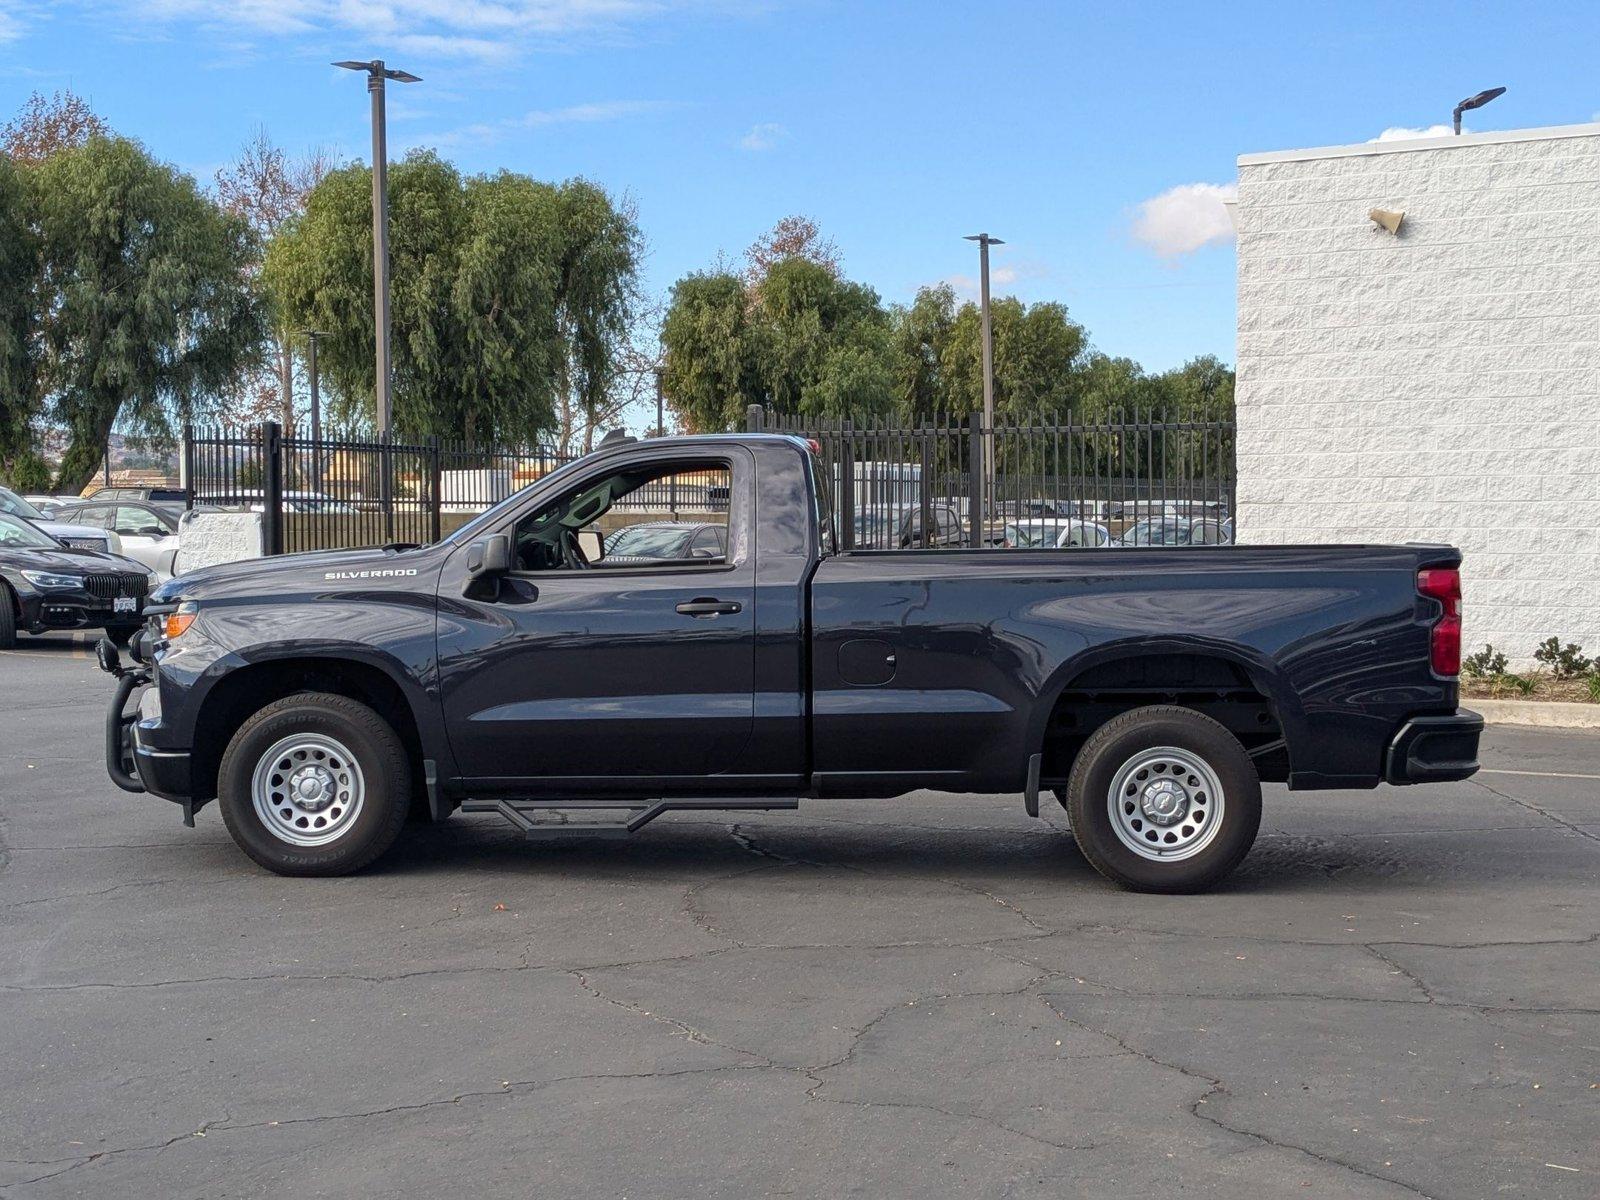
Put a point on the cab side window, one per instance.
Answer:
(671, 514)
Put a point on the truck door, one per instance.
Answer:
(563, 671)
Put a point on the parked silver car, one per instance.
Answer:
(147, 530)
(1057, 534)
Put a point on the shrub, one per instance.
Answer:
(1565, 662)
(1484, 664)
(1594, 688)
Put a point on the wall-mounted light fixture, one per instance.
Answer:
(1386, 220)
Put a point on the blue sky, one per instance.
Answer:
(898, 127)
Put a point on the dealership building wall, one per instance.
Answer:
(1439, 385)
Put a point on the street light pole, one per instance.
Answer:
(1472, 102)
(984, 242)
(377, 76)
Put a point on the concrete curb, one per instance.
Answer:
(1550, 714)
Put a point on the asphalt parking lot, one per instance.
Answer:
(1397, 995)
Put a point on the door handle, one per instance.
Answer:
(706, 606)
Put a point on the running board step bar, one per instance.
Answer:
(521, 813)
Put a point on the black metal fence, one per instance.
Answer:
(359, 490)
(1139, 479)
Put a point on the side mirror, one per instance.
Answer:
(592, 543)
(489, 556)
(153, 531)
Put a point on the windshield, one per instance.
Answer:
(649, 541)
(490, 516)
(874, 530)
(1157, 533)
(10, 502)
(15, 532)
(1028, 536)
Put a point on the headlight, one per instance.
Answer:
(178, 622)
(52, 581)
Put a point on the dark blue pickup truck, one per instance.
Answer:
(324, 698)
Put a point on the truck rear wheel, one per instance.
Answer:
(1163, 799)
(314, 784)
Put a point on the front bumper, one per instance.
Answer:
(135, 767)
(44, 612)
(1434, 749)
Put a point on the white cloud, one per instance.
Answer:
(969, 287)
(481, 30)
(764, 136)
(10, 21)
(575, 114)
(1400, 133)
(1183, 219)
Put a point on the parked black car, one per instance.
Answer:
(900, 528)
(45, 585)
(321, 697)
(162, 495)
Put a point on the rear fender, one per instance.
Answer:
(1264, 674)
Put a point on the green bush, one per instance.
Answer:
(1486, 663)
(1565, 662)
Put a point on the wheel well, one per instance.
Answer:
(243, 692)
(1217, 687)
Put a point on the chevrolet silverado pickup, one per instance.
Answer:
(322, 699)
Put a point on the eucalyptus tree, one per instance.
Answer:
(508, 295)
(144, 318)
(19, 327)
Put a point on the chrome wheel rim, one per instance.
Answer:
(1166, 804)
(307, 789)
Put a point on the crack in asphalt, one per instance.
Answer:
(1411, 976)
(1216, 1087)
(1570, 826)
(705, 920)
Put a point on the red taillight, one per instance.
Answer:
(1444, 585)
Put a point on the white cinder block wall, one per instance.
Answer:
(1442, 385)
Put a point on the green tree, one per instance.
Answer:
(1201, 388)
(20, 400)
(800, 340)
(922, 334)
(147, 318)
(510, 297)
(1039, 356)
(712, 368)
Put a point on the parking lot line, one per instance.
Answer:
(1534, 774)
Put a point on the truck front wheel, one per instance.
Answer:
(1163, 799)
(314, 784)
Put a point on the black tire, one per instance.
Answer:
(8, 618)
(1200, 744)
(374, 751)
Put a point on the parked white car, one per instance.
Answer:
(69, 532)
(146, 529)
(1058, 534)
